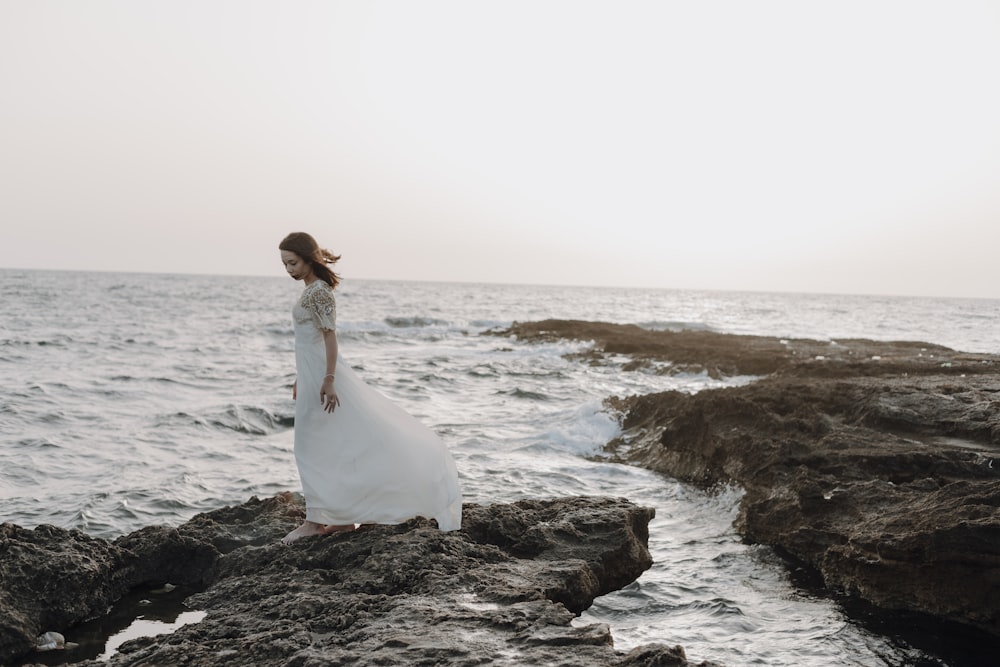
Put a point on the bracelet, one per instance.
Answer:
(329, 375)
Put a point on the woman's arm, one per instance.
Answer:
(327, 394)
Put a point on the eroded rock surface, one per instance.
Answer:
(503, 590)
(877, 464)
(727, 355)
(51, 578)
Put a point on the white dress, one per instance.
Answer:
(369, 461)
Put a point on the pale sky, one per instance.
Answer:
(839, 146)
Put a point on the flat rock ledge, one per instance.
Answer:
(877, 464)
(503, 590)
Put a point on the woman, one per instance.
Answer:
(361, 458)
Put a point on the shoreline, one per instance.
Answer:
(875, 464)
(818, 413)
(507, 585)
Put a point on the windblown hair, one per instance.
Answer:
(305, 246)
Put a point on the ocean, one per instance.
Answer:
(136, 399)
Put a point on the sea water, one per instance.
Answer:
(135, 399)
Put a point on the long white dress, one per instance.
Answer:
(369, 461)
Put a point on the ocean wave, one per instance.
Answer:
(37, 443)
(414, 322)
(23, 474)
(435, 379)
(714, 607)
(12, 359)
(346, 333)
(11, 342)
(490, 324)
(54, 342)
(483, 371)
(517, 392)
(495, 370)
(250, 420)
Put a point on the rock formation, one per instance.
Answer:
(503, 590)
(876, 464)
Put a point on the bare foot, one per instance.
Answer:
(305, 530)
(328, 530)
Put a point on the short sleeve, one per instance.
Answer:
(322, 308)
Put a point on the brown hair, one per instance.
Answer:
(306, 247)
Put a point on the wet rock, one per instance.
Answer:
(876, 464)
(51, 578)
(503, 590)
(726, 355)
(906, 519)
(658, 655)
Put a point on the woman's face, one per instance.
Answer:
(297, 267)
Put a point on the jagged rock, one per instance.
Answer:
(877, 464)
(908, 520)
(51, 578)
(658, 655)
(503, 590)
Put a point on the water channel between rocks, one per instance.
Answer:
(144, 612)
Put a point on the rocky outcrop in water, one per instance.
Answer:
(876, 464)
(503, 590)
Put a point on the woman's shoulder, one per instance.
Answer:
(317, 291)
(317, 298)
(317, 286)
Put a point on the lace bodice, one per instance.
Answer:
(317, 304)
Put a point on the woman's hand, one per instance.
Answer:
(328, 395)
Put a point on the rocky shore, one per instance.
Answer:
(876, 464)
(503, 590)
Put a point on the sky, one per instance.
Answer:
(842, 146)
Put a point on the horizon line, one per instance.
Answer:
(522, 284)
